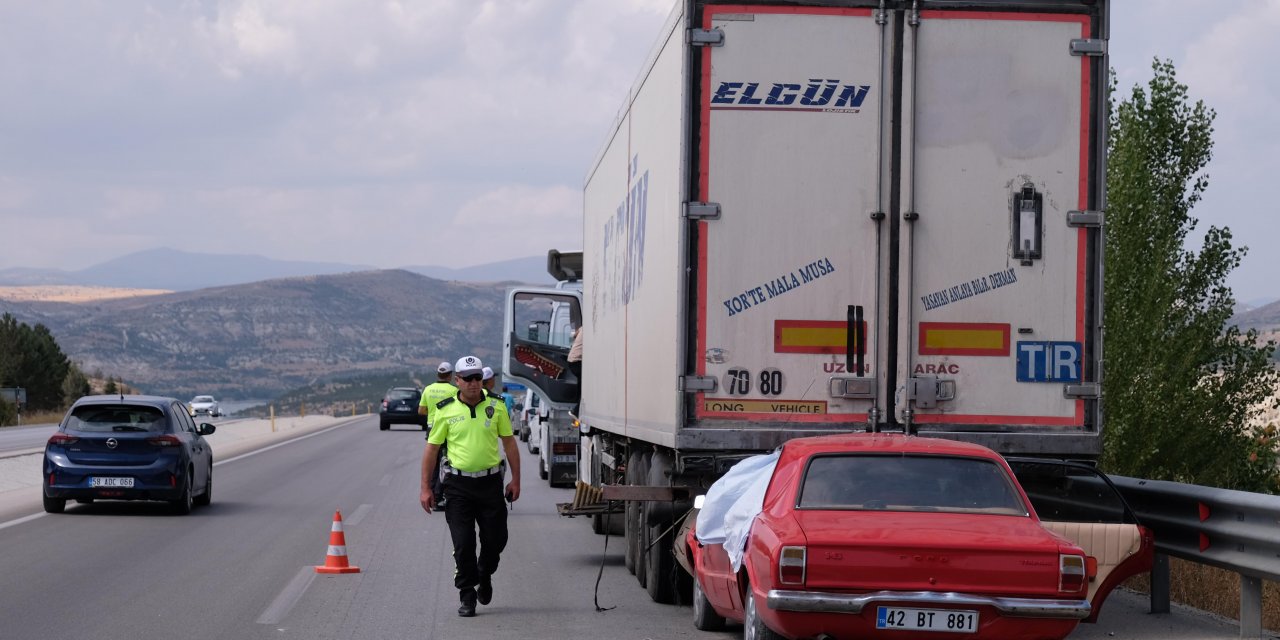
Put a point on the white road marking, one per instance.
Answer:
(360, 512)
(284, 602)
(22, 520)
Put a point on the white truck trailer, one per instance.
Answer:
(812, 217)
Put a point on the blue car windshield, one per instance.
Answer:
(116, 419)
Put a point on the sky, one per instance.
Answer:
(437, 132)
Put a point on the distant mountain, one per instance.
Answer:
(258, 339)
(177, 270)
(532, 270)
(1266, 317)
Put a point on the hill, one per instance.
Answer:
(259, 339)
(176, 270)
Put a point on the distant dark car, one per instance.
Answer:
(128, 448)
(400, 406)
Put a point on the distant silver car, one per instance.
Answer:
(204, 404)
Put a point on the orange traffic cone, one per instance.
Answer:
(336, 560)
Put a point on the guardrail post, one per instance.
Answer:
(1160, 584)
(1250, 607)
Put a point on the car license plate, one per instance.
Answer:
(927, 620)
(111, 482)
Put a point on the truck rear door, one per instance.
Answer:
(997, 243)
(788, 274)
(906, 233)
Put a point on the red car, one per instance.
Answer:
(879, 535)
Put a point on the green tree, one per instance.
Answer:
(1181, 386)
(110, 387)
(76, 384)
(30, 358)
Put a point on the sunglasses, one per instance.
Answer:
(475, 377)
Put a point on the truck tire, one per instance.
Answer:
(637, 469)
(660, 566)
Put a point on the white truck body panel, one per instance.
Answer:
(893, 248)
(634, 274)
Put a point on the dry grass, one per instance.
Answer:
(72, 293)
(1211, 589)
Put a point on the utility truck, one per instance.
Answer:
(818, 217)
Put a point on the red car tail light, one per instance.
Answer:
(165, 441)
(1072, 574)
(791, 564)
(62, 439)
(384, 404)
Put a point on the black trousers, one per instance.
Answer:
(475, 503)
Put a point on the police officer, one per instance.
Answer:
(437, 391)
(472, 424)
(432, 395)
(488, 381)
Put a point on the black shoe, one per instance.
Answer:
(468, 608)
(485, 591)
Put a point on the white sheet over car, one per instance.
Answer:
(732, 504)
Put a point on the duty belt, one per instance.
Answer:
(474, 474)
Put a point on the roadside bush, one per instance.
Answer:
(8, 414)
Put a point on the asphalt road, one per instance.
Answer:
(243, 567)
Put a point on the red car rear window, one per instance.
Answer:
(909, 483)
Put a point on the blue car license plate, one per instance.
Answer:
(946, 620)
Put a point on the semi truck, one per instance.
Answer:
(828, 216)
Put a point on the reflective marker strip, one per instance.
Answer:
(810, 336)
(964, 339)
(337, 550)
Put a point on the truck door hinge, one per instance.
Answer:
(928, 391)
(691, 384)
(702, 210)
(1088, 47)
(705, 37)
(1084, 218)
(1085, 391)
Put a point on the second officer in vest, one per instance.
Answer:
(472, 424)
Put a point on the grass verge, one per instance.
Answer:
(1212, 589)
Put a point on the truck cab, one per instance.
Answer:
(539, 327)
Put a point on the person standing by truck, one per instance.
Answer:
(431, 396)
(473, 425)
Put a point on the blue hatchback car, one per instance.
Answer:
(117, 447)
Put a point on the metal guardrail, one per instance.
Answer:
(1233, 530)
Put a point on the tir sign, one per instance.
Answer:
(1049, 361)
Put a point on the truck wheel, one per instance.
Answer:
(631, 515)
(660, 565)
(542, 468)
